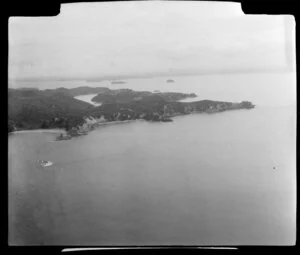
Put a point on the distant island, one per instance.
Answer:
(170, 81)
(58, 109)
(117, 82)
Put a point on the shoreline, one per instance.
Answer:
(107, 123)
(38, 131)
(59, 131)
(68, 136)
(116, 122)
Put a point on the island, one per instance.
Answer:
(57, 108)
(170, 81)
(117, 82)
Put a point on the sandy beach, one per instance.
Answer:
(39, 131)
(58, 131)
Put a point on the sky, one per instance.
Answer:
(137, 38)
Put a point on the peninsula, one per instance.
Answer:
(58, 108)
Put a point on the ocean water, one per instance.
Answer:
(200, 180)
(205, 179)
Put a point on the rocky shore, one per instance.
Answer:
(90, 122)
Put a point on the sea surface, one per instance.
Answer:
(205, 179)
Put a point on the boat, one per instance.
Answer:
(45, 163)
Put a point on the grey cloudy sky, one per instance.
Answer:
(127, 38)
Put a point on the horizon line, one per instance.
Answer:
(95, 78)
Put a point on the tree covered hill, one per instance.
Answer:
(57, 108)
(128, 95)
(73, 92)
(30, 109)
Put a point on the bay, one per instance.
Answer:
(205, 179)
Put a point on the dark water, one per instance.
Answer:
(200, 180)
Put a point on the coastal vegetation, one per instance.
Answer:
(57, 108)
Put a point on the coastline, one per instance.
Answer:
(107, 123)
(59, 131)
(38, 131)
(116, 122)
(77, 133)
(81, 130)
